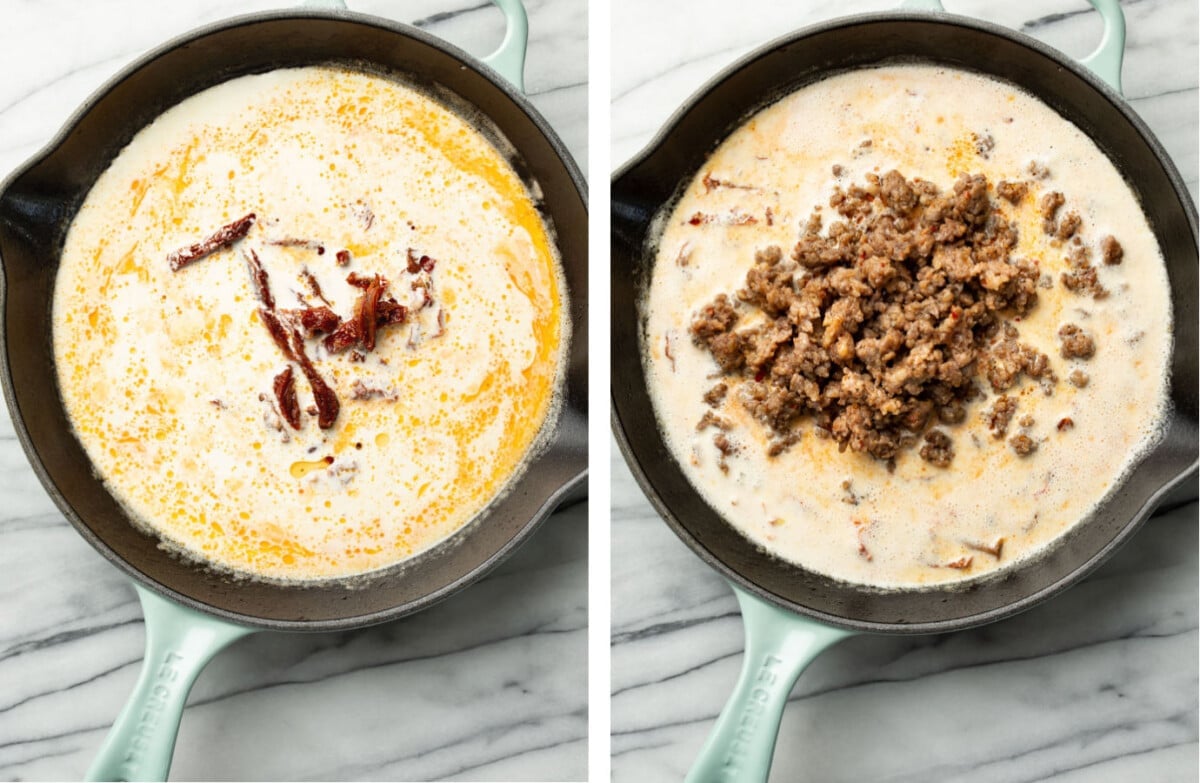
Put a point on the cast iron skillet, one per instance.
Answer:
(36, 206)
(781, 601)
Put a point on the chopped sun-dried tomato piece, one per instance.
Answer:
(367, 308)
(325, 398)
(221, 238)
(261, 282)
(316, 320)
(285, 393)
(389, 311)
(348, 335)
(277, 332)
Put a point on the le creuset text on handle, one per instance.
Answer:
(179, 643)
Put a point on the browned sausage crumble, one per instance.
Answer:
(880, 328)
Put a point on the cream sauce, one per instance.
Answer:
(167, 376)
(906, 526)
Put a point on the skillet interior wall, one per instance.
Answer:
(639, 193)
(33, 219)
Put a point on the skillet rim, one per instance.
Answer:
(557, 439)
(661, 140)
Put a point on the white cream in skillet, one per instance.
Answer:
(926, 122)
(167, 376)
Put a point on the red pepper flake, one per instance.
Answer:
(1065, 424)
(285, 393)
(956, 313)
(758, 376)
(343, 257)
(221, 238)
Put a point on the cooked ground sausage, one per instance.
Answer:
(1068, 225)
(1075, 343)
(1023, 444)
(938, 448)
(1002, 412)
(1048, 207)
(878, 327)
(1111, 250)
(1012, 192)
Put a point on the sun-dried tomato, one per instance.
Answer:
(285, 393)
(367, 307)
(277, 332)
(325, 398)
(222, 237)
(348, 335)
(316, 320)
(261, 282)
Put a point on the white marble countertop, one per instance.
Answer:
(1097, 685)
(489, 685)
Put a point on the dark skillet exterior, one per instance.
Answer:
(36, 207)
(641, 188)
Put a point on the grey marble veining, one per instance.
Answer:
(489, 685)
(1098, 685)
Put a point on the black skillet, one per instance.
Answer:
(191, 612)
(791, 614)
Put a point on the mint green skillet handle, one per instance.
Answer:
(779, 646)
(1105, 61)
(509, 59)
(179, 642)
